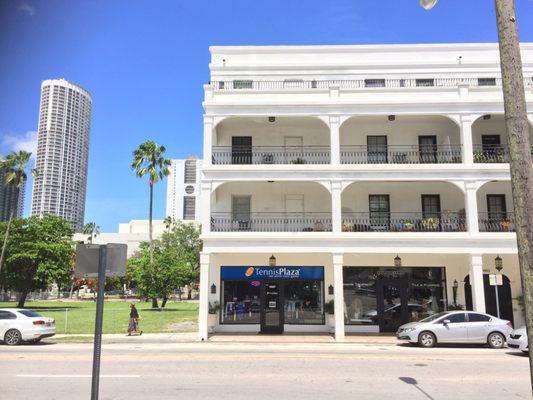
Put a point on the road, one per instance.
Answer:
(256, 371)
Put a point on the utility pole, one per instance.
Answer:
(517, 127)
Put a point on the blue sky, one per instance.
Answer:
(145, 62)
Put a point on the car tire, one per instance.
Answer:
(35, 341)
(427, 339)
(13, 337)
(496, 340)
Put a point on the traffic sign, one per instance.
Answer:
(87, 256)
(496, 279)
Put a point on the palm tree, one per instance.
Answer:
(148, 159)
(168, 221)
(91, 229)
(14, 167)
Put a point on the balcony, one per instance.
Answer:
(401, 154)
(491, 153)
(403, 222)
(496, 222)
(271, 222)
(231, 155)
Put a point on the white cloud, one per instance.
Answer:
(27, 8)
(26, 141)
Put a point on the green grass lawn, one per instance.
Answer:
(78, 317)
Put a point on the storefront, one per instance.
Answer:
(272, 296)
(385, 298)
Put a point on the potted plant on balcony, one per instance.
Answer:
(506, 226)
(430, 224)
(298, 160)
(408, 225)
(212, 319)
(479, 156)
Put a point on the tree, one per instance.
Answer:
(175, 263)
(39, 252)
(91, 229)
(148, 159)
(168, 221)
(14, 165)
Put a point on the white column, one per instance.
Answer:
(334, 124)
(338, 287)
(336, 206)
(208, 140)
(471, 207)
(476, 282)
(466, 139)
(205, 199)
(203, 312)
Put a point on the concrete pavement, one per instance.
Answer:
(258, 371)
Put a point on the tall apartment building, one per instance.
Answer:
(8, 199)
(62, 151)
(184, 189)
(374, 176)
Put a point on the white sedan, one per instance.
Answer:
(457, 327)
(18, 325)
(518, 340)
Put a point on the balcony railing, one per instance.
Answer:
(496, 222)
(299, 84)
(271, 222)
(494, 153)
(401, 154)
(403, 222)
(271, 155)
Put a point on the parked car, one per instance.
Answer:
(18, 325)
(518, 340)
(457, 327)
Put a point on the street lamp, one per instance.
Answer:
(397, 261)
(272, 261)
(428, 4)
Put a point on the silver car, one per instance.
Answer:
(518, 340)
(457, 327)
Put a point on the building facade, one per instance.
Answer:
(9, 202)
(184, 190)
(355, 188)
(62, 151)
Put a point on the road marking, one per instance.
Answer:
(74, 376)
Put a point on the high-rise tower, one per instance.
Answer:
(62, 151)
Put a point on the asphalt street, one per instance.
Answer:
(255, 371)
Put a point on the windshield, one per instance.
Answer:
(433, 317)
(30, 314)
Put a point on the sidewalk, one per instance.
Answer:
(190, 337)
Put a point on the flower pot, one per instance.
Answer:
(330, 321)
(212, 320)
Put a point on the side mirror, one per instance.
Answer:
(446, 321)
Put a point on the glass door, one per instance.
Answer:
(392, 310)
(271, 308)
(377, 151)
(427, 147)
(241, 150)
(379, 212)
(240, 212)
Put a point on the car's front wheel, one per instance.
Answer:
(496, 340)
(12, 337)
(427, 339)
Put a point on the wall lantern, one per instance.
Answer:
(272, 261)
(397, 261)
(486, 116)
(213, 289)
(498, 263)
(455, 287)
(392, 117)
(330, 289)
(271, 119)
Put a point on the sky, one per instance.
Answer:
(145, 62)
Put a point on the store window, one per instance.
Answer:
(240, 303)
(304, 302)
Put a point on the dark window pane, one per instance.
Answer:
(472, 317)
(456, 318)
(374, 82)
(303, 303)
(240, 303)
(7, 315)
(29, 313)
(486, 81)
(425, 82)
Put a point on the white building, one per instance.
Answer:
(345, 162)
(184, 190)
(62, 151)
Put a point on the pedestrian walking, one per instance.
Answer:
(133, 326)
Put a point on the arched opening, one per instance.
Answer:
(504, 295)
(495, 207)
(400, 139)
(281, 206)
(271, 140)
(489, 139)
(403, 206)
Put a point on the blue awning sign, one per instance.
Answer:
(263, 272)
